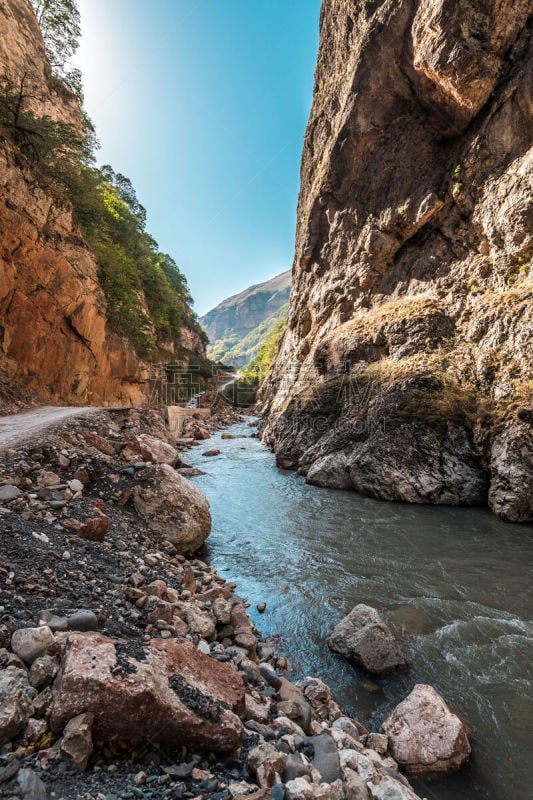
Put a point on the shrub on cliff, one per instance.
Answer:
(54, 149)
(148, 297)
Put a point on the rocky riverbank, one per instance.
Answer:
(129, 667)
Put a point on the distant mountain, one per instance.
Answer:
(239, 325)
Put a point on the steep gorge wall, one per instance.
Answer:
(54, 335)
(52, 310)
(405, 371)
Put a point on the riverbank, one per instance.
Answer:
(452, 583)
(128, 666)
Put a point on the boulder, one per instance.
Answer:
(389, 788)
(210, 453)
(425, 737)
(15, 703)
(173, 508)
(347, 726)
(296, 767)
(366, 640)
(355, 787)
(77, 742)
(168, 694)
(330, 791)
(30, 643)
(150, 448)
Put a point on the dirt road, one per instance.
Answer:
(21, 427)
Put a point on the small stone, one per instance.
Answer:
(31, 785)
(77, 742)
(54, 622)
(299, 789)
(29, 643)
(43, 671)
(46, 478)
(378, 742)
(261, 607)
(211, 453)
(15, 703)
(82, 621)
(8, 493)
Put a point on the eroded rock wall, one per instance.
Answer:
(54, 336)
(406, 368)
(53, 332)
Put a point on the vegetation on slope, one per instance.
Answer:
(147, 295)
(255, 372)
(242, 351)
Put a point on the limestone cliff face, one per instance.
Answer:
(406, 368)
(53, 325)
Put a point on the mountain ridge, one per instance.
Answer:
(239, 324)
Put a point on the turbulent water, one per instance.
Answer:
(455, 583)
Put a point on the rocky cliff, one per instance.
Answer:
(240, 324)
(405, 371)
(54, 332)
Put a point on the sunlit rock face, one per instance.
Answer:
(54, 335)
(407, 360)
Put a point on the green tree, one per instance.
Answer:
(59, 21)
(55, 149)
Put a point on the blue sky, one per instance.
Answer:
(203, 105)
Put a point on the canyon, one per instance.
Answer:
(129, 665)
(405, 371)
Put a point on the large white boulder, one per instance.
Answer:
(425, 737)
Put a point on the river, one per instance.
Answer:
(455, 584)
